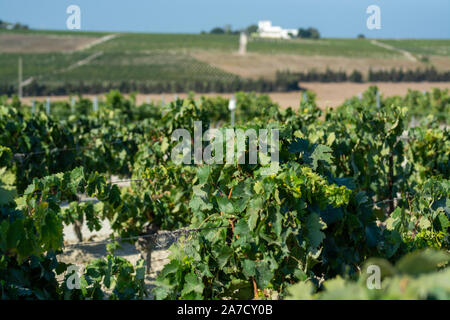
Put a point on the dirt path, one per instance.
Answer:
(43, 43)
(77, 64)
(97, 42)
(82, 47)
(407, 54)
(328, 94)
(81, 63)
(336, 93)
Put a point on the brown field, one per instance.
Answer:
(441, 63)
(256, 65)
(33, 43)
(328, 94)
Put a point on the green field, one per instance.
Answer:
(152, 66)
(148, 42)
(55, 32)
(168, 57)
(358, 48)
(36, 64)
(110, 66)
(422, 47)
(229, 43)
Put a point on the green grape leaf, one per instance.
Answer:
(193, 283)
(222, 255)
(314, 225)
(423, 261)
(321, 153)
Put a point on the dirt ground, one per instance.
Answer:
(93, 247)
(81, 254)
(23, 43)
(255, 65)
(328, 94)
(335, 94)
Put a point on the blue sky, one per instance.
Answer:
(333, 18)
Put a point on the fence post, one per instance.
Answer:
(33, 106)
(47, 106)
(232, 108)
(243, 43)
(378, 99)
(95, 104)
(72, 105)
(20, 93)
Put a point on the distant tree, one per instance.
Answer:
(16, 26)
(314, 33)
(19, 26)
(302, 33)
(361, 36)
(310, 33)
(217, 30)
(252, 29)
(228, 29)
(356, 76)
(3, 24)
(424, 59)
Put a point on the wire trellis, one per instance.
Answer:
(161, 239)
(23, 156)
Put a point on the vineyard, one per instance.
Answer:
(180, 63)
(365, 184)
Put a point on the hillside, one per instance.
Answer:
(199, 62)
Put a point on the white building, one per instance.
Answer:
(266, 30)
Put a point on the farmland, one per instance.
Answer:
(171, 167)
(157, 63)
(328, 94)
(425, 47)
(367, 186)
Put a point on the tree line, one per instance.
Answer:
(308, 33)
(12, 26)
(389, 75)
(285, 81)
(281, 84)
